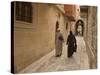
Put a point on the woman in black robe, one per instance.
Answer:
(71, 41)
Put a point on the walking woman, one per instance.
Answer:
(71, 41)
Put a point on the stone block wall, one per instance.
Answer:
(36, 39)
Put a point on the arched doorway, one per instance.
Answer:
(79, 30)
(57, 25)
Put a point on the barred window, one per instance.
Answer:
(24, 11)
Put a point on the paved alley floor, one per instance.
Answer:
(50, 63)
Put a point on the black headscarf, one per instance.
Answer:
(71, 33)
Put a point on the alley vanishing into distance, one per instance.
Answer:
(50, 63)
(41, 30)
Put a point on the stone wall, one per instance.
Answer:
(90, 36)
(36, 39)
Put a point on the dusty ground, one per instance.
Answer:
(49, 62)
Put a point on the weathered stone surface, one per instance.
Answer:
(50, 63)
(34, 40)
(90, 34)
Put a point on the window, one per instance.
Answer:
(24, 11)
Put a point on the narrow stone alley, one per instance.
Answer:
(39, 28)
(50, 63)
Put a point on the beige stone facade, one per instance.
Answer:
(73, 14)
(89, 17)
(33, 40)
(36, 39)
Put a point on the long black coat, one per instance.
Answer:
(72, 46)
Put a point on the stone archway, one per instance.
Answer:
(79, 27)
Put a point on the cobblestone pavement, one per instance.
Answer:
(50, 63)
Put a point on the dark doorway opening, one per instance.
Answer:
(57, 25)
